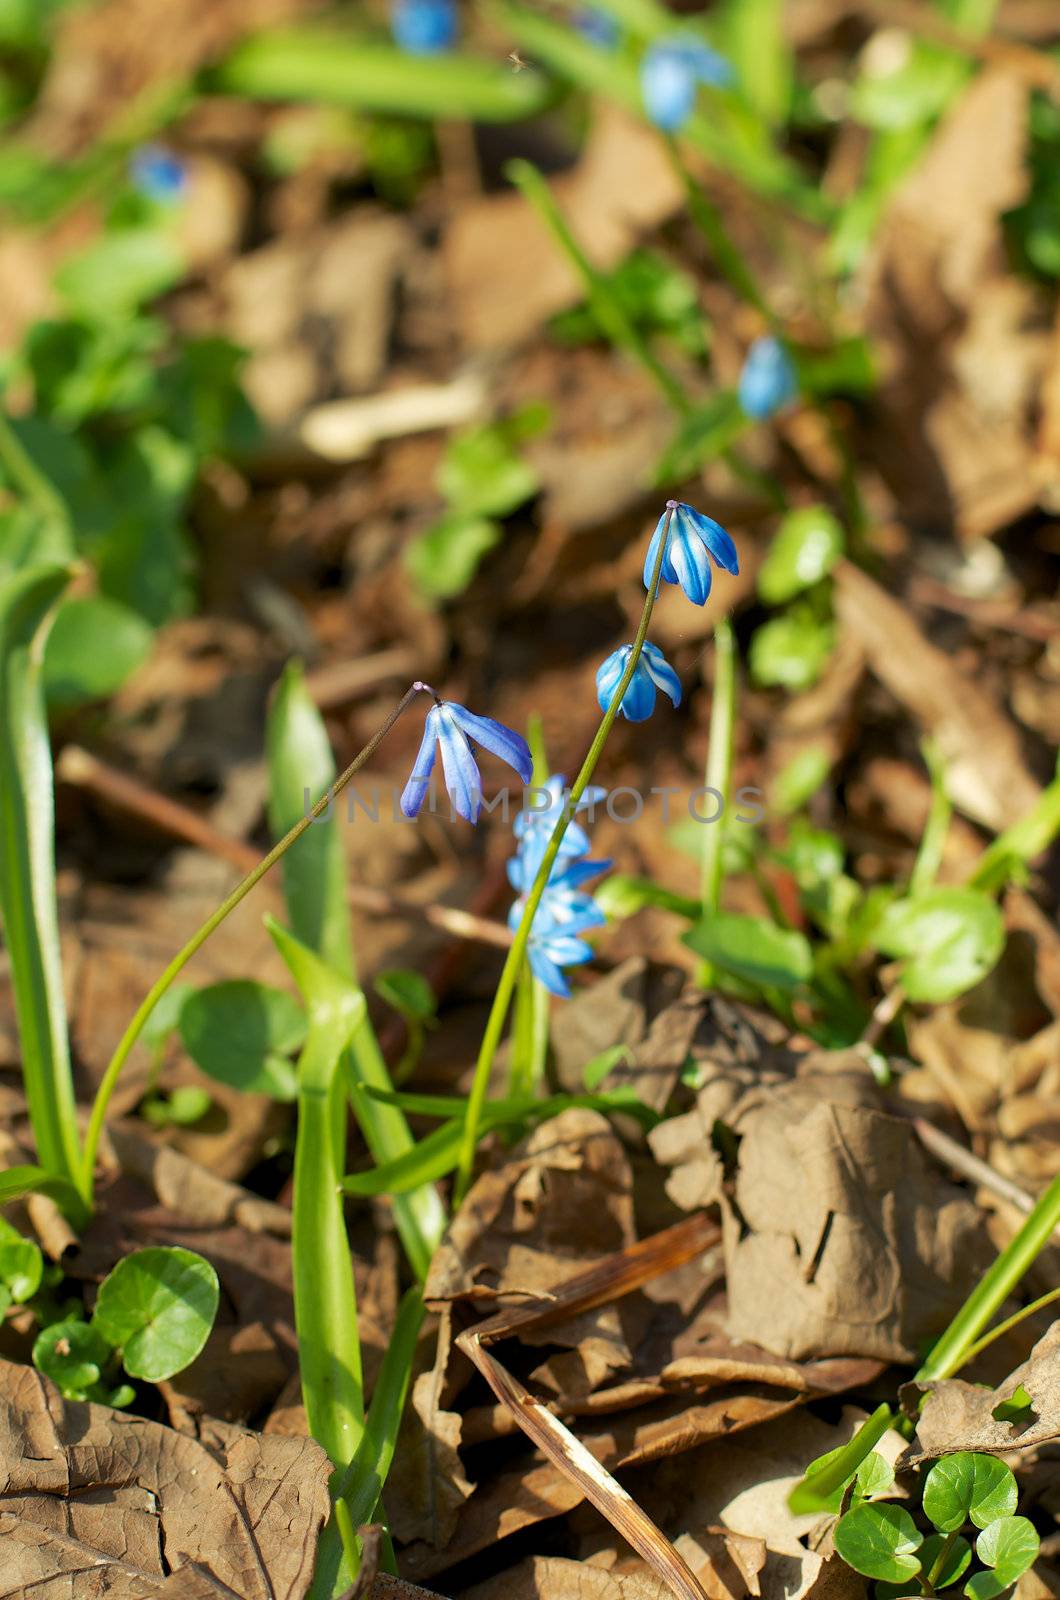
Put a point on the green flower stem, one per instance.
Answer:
(938, 1566)
(598, 291)
(718, 775)
(956, 1346)
(199, 938)
(1011, 1322)
(728, 257)
(513, 961)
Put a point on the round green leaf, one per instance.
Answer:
(872, 1477)
(955, 1564)
(949, 937)
(753, 948)
(94, 645)
(790, 652)
(879, 1540)
(408, 992)
(242, 1033)
(21, 1264)
(158, 1305)
(72, 1354)
(968, 1487)
(805, 548)
(1010, 1546)
(444, 559)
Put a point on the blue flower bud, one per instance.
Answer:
(768, 380)
(424, 27)
(653, 672)
(670, 74)
(692, 542)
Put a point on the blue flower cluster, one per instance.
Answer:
(671, 73)
(566, 912)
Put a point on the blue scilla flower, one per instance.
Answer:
(158, 174)
(653, 672)
(599, 27)
(564, 914)
(693, 541)
(534, 825)
(565, 879)
(452, 730)
(670, 74)
(768, 380)
(424, 27)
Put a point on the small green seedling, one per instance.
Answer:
(885, 1542)
(412, 997)
(153, 1316)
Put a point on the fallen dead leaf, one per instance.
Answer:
(960, 1416)
(97, 1499)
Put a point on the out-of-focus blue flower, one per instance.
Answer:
(534, 825)
(565, 913)
(452, 730)
(157, 173)
(768, 380)
(694, 540)
(653, 672)
(424, 27)
(670, 74)
(599, 27)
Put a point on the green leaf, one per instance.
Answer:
(94, 645)
(165, 1016)
(73, 1354)
(21, 1264)
(955, 1565)
(408, 992)
(871, 1477)
(790, 652)
(879, 1540)
(804, 550)
(443, 560)
(968, 1486)
(950, 938)
(1019, 1407)
(481, 474)
(1010, 1545)
(27, 866)
(754, 38)
(753, 948)
(702, 436)
(243, 1033)
(340, 69)
(158, 1306)
(301, 768)
(182, 1108)
(18, 1181)
(120, 272)
(598, 1068)
(622, 895)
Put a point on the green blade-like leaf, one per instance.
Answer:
(242, 1033)
(969, 1487)
(879, 1540)
(18, 1181)
(158, 1306)
(27, 865)
(340, 69)
(325, 1300)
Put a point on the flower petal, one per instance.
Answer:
(667, 573)
(416, 789)
(462, 781)
(714, 536)
(691, 561)
(546, 971)
(497, 739)
(638, 702)
(660, 672)
(609, 675)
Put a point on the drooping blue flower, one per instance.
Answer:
(534, 825)
(158, 174)
(424, 27)
(653, 672)
(452, 730)
(768, 380)
(564, 914)
(694, 540)
(599, 27)
(670, 74)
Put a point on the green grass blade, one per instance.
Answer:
(27, 866)
(299, 758)
(15, 1182)
(340, 69)
(325, 1302)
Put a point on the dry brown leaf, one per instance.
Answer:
(97, 1499)
(985, 771)
(959, 1416)
(427, 1486)
(504, 270)
(554, 1578)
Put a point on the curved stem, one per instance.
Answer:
(719, 772)
(491, 1038)
(199, 938)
